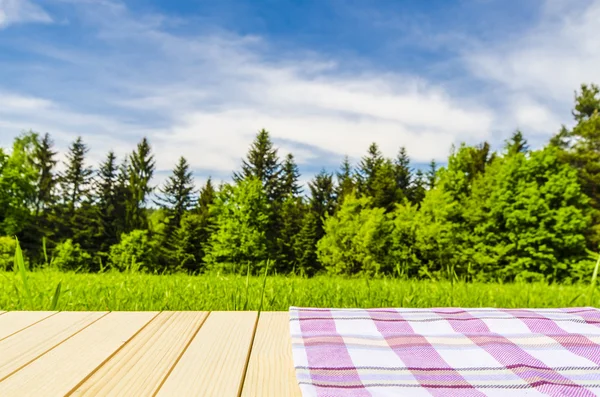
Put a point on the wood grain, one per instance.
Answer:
(141, 366)
(63, 368)
(271, 368)
(215, 361)
(13, 322)
(21, 348)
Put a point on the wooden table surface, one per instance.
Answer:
(146, 354)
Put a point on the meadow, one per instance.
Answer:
(137, 291)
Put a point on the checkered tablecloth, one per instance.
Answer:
(446, 352)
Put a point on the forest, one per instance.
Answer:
(513, 214)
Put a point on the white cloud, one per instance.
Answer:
(543, 67)
(21, 11)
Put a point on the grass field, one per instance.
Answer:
(123, 291)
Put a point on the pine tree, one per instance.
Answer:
(322, 200)
(402, 172)
(262, 162)
(76, 180)
(345, 182)
(107, 202)
(79, 217)
(44, 161)
(290, 176)
(367, 170)
(321, 204)
(385, 192)
(516, 144)
(176, 196)
(431, 174)
(207, 197)
(122, 199)
(587, 102)
(292, 210)
(141, 170)
(176, 199)
(417, 188)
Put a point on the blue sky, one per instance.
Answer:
(325, 77)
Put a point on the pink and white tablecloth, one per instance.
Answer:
(446, 352)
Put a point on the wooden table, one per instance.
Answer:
(146, 354)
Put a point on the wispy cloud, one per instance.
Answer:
(21, 11)
(538, 72)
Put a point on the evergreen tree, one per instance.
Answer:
(76, 216)
(292, 210)
(367, 170)
(322, 190)
(207, 197)
(141, 170)
(122, 196)
(44, 161)
(345, 182)
(305, 252)
(176, 196)
(76, 180)
(516, 144)
(321, 205)
(107, 202)
(385, 192)
(587, 102)
(402, 172)
(431, 174)
(417, 188)
(262, 163)
(290, 176)
(194, 232)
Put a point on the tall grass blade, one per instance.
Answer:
(593, 283)
(20, 267)
(262, 295)
(45, 252)
(56, 296)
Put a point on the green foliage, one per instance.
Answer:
(262, 163)
(18, 177)
(192, 238)
(135, 252)
(356, 239)
(345, 181)
(68, 256)
(534, 216)
(241, 223)
(140, 171)
(8, 246)
(403, 249)
(291, 213)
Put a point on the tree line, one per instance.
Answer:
(515, 213)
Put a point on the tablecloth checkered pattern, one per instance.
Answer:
(446, 352)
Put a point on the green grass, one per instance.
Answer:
(121, 291)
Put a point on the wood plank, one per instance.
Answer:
(142, 365)
(215, 361)
(63, 368)
(23, 347)
(271, 368)
(13, 322)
